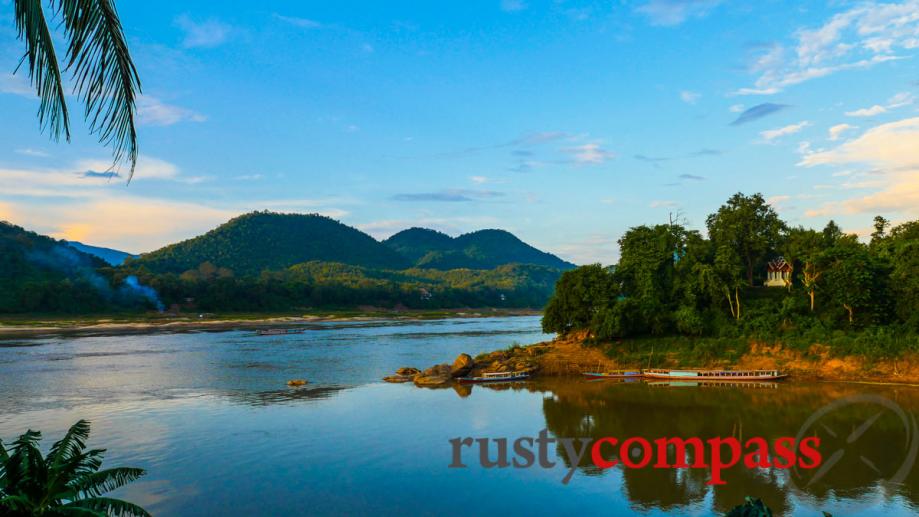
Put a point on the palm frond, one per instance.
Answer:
(98, 483)
(4, 456)
(103, 72)
(44, 71)
(71, 444)
(113, 507)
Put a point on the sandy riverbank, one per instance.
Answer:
(32, 328)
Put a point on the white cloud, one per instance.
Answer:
(736, 108)
(889, 153)
(877, 109)
(153, 112)
(209, 33)
(773, 134)
(513, 6)
(837, 131)
(28, 151)
(690, 97)
(478, 179)
(669, 13)
(589, 154)
(148, 168)
(861, 37)
(16, 85)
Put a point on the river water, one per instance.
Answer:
(209, 416)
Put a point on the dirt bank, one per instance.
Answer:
(569, 356)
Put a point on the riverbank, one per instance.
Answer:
(573, 355)
(12, 327)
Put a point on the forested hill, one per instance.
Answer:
(40, 272)
(483, 249)
(258, 241)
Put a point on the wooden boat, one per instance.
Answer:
(278, 332)
(715, 375)
(496, 377)
(614, 374)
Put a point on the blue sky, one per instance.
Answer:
(565, 122)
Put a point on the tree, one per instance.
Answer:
(101, 68)
(67, 481)
(579, 295)
(723, 278)
(851, 277)
(748, 226)
(807, 247)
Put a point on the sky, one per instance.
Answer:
(565, 122)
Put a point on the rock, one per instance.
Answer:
(432, 380)
(462, 365)
(296, 382)
(408, 371)
(399, 378)
(438, 370)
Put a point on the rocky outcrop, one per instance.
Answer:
(437, 375)
(294, 383)
(462, 365)
(408, 371)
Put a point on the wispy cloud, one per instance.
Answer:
(690, 97)
(861, 37)
(16, 85)
(154, 112)
(774, 134)
(897, 101)
(692, 177)
(669, 13)
(28, 151)
(208, 33)
(757, 112)
(835, 132)
(448, 196)
(888, 152)
(589, 154)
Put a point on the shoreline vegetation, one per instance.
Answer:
(33, 326)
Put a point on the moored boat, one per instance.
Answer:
(278, 332)
(496, 377)
(613, 374)
(713, 375)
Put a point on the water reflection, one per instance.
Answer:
(875, 440)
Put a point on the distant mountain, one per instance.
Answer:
(483, 249)
(258, 241)
(112, 257)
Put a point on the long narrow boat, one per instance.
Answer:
(496, 377)
(713, 375)
(614, 374)
(278, 332)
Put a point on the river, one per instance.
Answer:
(209, 416)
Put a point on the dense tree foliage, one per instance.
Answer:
(483, 249)
(40, 274)
(671, 280)
(259, 241)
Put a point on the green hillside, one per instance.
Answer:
(38, 272)
(258, 241)
(483, 249)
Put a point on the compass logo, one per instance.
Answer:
(844, 442)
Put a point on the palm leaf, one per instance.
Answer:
(113, 507)
(103, 73)
(71, 444)
(98, 483)
(44, 71)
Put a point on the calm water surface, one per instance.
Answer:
(210, 418)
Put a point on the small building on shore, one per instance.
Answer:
(778, 273)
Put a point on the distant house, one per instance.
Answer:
(778, 273)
